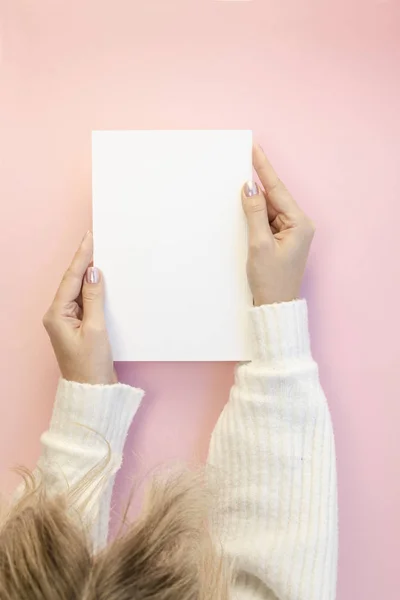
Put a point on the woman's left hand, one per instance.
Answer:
(76, 325)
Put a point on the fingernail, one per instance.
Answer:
(92, 275)
(86, 235)
(251, 189)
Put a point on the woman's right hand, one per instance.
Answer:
(76, 324)
(280, 236)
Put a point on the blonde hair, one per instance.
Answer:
(166, 554)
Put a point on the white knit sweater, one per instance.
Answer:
(273, 446)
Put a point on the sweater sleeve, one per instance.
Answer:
(82, 449)
(273, 452)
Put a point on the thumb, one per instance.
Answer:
(93, 297)
(255, 208)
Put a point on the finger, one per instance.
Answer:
(279, 200)
(93, 298)
(255, 208)
(71, 283)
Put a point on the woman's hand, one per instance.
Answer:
(280, 236)
(76, 325)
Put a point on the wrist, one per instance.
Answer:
(100, 378)
(268, 300)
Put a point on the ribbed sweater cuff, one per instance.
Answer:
(280, 333)
(90, 414)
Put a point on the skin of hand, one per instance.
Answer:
(280, 236)
(76, 325)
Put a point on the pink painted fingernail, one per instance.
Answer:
(251, 189)
(92, 275)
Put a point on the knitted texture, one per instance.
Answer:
(272, 450)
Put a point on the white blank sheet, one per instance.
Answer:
(170, 237)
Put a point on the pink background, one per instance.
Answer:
(318, 82)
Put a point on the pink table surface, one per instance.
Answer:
(318, 82)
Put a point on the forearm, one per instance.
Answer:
(82, 449)
(274, 449)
